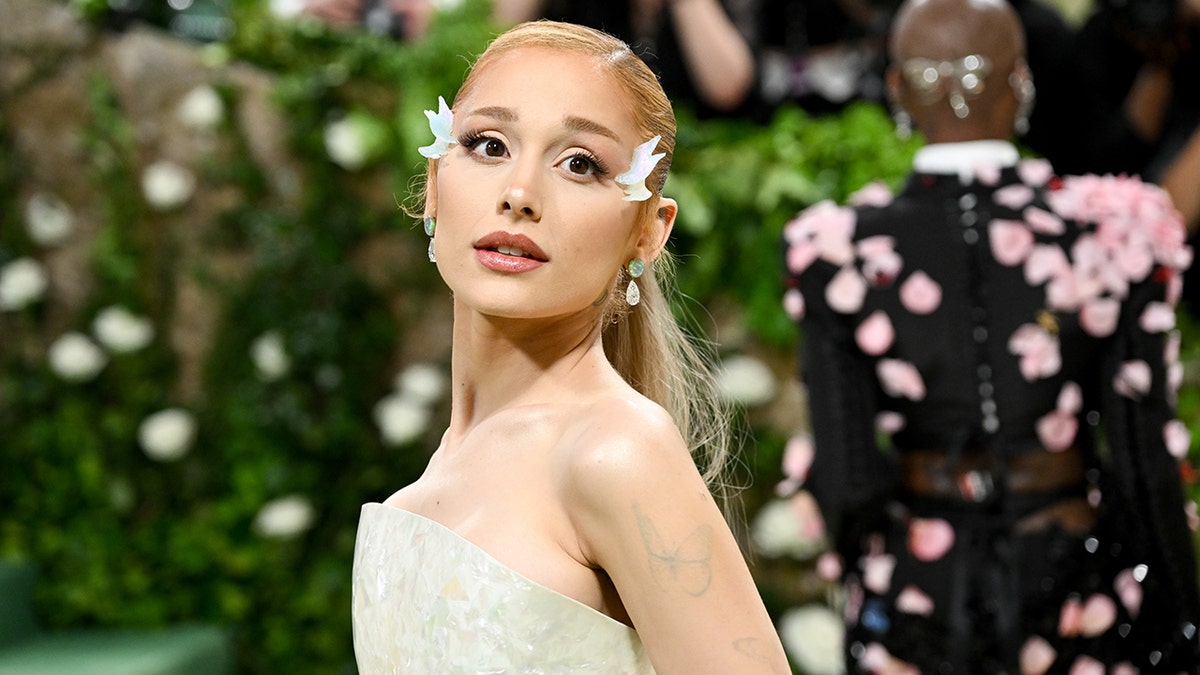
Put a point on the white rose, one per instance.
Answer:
(167, 185)
(401, 419)
(287, 9)
(746, 380)
(813, 636)
(122, 331)
(22, 282)
(270, 356)
(447, 5)
(284, 517)
(201, 108)
(776, 532)
(74, 357)
(423, 382)
(345, 145)
(48, 219)
(167, 435)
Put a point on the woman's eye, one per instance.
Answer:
(493, 148)
(580, 166)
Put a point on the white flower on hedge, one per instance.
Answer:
(423, 382)
(354, 140)
(286, 9)
(167, 185)
(777, 532)
(746, 380)
(284, 517)
(22, 283)
(122, 331)
(48, 219)
(813, 636)
(401, 419)
(270, 356)
(167, 435)
(201, 108)
(75, 358)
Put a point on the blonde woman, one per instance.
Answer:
(563, 524)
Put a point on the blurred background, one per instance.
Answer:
(219, 334)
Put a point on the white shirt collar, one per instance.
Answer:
(963, 158)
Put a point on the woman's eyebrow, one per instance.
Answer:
(498, 113)
(585, 125)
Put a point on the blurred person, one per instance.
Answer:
(991, 367)
(702, 50)
(563, 524)
(401, 19)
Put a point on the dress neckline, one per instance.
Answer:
(496, 561)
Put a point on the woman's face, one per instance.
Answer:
(530, 223)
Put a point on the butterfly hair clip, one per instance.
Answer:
(640, 167)
(440, 124)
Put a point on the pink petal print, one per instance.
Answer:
(1124, 668)
(1069, 618)
(875, 193)
(1171, 348)
(808, 516)
(1098, 317)
(1129, 590)
(1041, 220)
(793, 304)
(1175, 373)
(1099, 614)
(913, 600)
(920, 294)
(988, 174)
(846, 291)
(1011, 241)
(1158, 317)
(900, 379)
(1177, 438)
(798, 457)
(929, 538)
(877, 660)
(877, 572)
(1056, 430)
(875, 334)
(889, 421)
(1174, 289)
(1034, 172)
(829, 566)
(1039, 351)
(1133, 380)
(1036, 656)
(1070, 398)
(1135, 261)
(1045, 262)
(1086, 665)
(1014, 196)
(800, 255)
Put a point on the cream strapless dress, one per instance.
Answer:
(428, 602)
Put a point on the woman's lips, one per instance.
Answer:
(508, 252)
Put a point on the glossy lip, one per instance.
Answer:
(489, 257)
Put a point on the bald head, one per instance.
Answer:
(937, 74)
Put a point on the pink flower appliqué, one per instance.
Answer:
(798, 457)
(1086, 665)
(1099, 613)
(875, 334)
(881, 263)
(1129, 590)
(920, 294)
(1041, 220)
(877, 660)
(929, 538)
(875, 193)
(800, 255)
(1177, 438)
(900, 379)
(1011, 241)
(1034, 171)
(913, 600)
(1069, 617)
(1056, 430)
(793, 304)
(846, 291)
(829, 566)
(1038, 349)
(1014, 196)
(889, 421)
(1046, 261)
(877, 571)
(1133, 380)
(1098, 317)
(1158, 317)
(1036, 656)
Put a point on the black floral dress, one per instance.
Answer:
(1011, 319)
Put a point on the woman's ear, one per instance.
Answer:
(654, 239)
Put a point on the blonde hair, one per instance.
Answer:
(645, 344)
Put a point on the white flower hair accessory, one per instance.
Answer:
(640, 167)
(439, 123)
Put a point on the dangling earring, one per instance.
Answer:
(1026, 93)
(903, 123)
(633, 294)
(430, 224)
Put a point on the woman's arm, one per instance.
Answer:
(644, 515)
(718, 58)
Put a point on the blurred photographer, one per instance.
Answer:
(401, 19)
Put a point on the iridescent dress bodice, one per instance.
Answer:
(427, 601)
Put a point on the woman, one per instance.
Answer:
(1012, 332)
(562, 524)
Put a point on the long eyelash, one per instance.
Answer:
(601, 167)
(470, 139)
